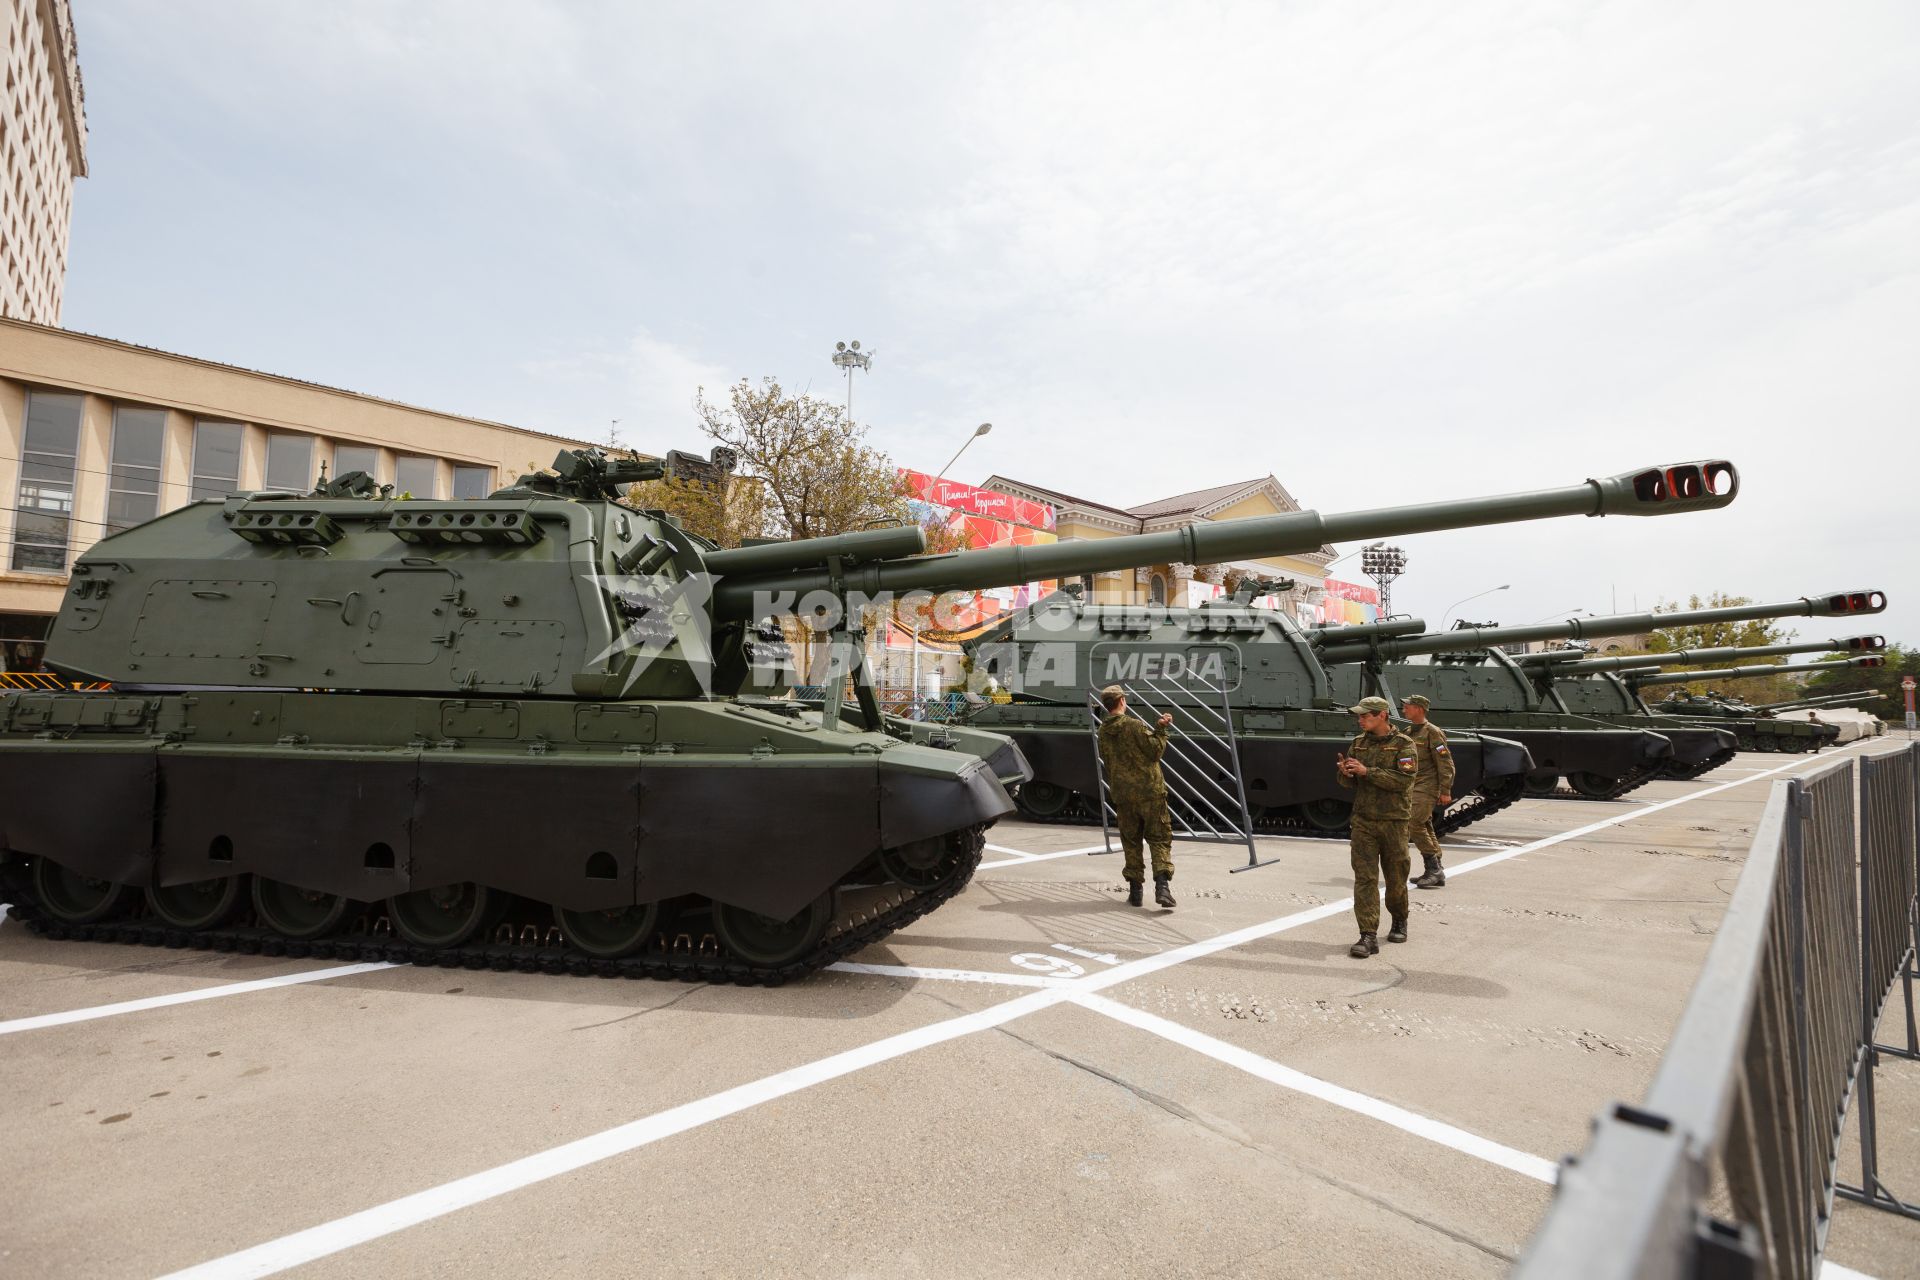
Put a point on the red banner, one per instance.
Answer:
(942, 492)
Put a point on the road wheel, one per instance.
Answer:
(73, 898)
(444, 916)
(769, 943)
(610, 934)
(300, 914)
(203, 904)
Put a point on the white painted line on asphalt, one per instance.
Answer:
(1018, 853)
(1834, 1271)
(186, 997)
(950, 975)
(1024, 859)
(423, 1206)
(1287, 1078)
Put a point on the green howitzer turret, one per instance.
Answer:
(1472, 683)
(1755, 722)
(454, 666)
(1611, 687)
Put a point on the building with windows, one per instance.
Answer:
(43, 148)
(97, 435)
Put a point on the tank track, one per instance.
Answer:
(700, 960)
(1631, 781)
(1708, 765)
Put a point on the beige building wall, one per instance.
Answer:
(39, 491)
(43, 148)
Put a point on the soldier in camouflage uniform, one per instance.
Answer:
(1379, 768)
(1432, 788)
(1130, 755)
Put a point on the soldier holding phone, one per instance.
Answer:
(1379, 767)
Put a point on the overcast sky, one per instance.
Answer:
(1384, 252)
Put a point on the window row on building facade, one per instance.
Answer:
(45, 520)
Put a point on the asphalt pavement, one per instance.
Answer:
(1035, 1079)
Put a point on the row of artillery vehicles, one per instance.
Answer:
(1539, 724)
(532, 730)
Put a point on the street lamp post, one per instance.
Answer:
(978, 431)
(1383, 564)
(849, 356)
(1475, 596)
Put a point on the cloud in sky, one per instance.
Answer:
(1385, 253)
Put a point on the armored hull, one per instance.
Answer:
(1286, 759)
(249, 819)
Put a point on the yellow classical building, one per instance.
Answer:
(1182, 584)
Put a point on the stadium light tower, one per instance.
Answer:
(1383, 564)
(849, 356)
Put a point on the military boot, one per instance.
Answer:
(1399, 931)
(1133, 893)
(1432, 865)
(1367, 946)
(1163, 891)
(1436, 877)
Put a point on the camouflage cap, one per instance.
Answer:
(1418, 700)
(1367, 706)
(1111, 695)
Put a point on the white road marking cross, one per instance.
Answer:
(1287, 1078)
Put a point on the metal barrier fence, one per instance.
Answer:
(1889, 939)
(1206, 790)
(1776, 1042)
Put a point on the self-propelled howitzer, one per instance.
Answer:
(1756, 727)
(1835, 700)
(1616, 696)
(1288, 719)
(523, 731)
(1472, 683)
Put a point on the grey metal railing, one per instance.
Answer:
(1889, 942)
(1776, 1041)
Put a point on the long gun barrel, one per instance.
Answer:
(1825, 605)
(1669, 490)
(1700, 657)
(1753, 672)
(1320, 637)
(1825, 700)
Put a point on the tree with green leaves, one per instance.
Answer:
(1726, 635)
(1899, 661)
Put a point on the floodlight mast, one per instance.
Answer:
(1383, 564)
(849, 356)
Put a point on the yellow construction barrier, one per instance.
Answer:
(47, 681)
